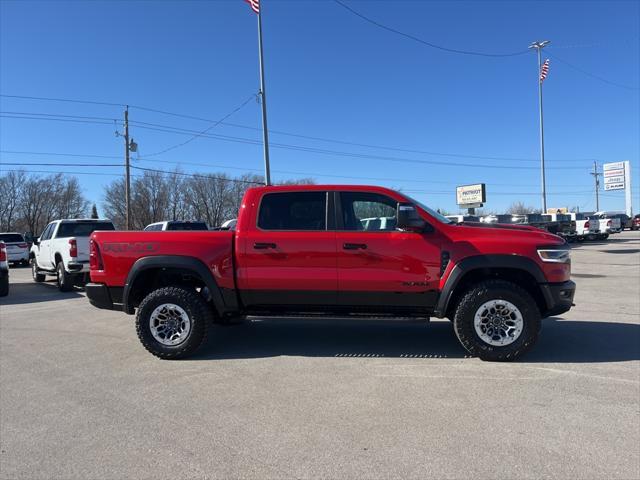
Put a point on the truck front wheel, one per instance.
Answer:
(172, 322)
(497, 320)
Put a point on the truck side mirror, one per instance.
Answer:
(408, 218)
(36, 241)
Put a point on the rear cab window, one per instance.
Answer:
(82, 229)
(300, 211)
(186, 226)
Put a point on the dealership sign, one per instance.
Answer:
(470, 196)
(614, 176)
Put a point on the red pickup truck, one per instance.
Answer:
(335, 250)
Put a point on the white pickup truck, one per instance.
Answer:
(63, 250)
(586, 228)
(608, 222)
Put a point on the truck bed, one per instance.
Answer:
(121, 249)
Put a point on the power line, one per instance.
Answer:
(597, 77)
(69, 100)
(198, 175)
(65, 173)
(63, 164)
(235, 110)
(424, 42)
(291, 172)
(280, 132)
(24, 117)
(303, 148)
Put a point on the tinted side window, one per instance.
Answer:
(368, 211)
(46, 234)
(293, 211)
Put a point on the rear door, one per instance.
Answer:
(288, 254)
(380, 267)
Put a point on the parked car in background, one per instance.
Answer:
(378, 223)
(229, 224)
(173, 225)
(4, 271)
(608, 222)
(626, 222)
(463, 218)
(17, 248)
(586, 229)
(635, 222)
(63, 250)
(566, 225)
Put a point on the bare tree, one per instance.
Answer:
(519, 208)
(11, 188)
(30, 201)
(113, 204)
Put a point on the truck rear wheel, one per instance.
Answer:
(37, 277)
(172, 322)
(497, 320)
(65, 280)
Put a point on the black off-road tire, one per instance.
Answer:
(199, 313)
(37, 277)
(486, 291)
(65, 280)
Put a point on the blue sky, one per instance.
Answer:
(332, 75)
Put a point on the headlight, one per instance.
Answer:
(555, 255)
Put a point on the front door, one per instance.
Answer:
(44, 255)
(288, 256)
(380, 267)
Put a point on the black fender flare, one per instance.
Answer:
(466, 265)
(172, 261)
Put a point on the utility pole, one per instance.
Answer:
(539, 46)
(597, 184)
(127, 182)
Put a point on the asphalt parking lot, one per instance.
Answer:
(81, 399)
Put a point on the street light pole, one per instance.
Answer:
(539, 46)
(263, 101)
(127, 181)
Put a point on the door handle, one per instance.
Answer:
(263, 246)
(355, 246)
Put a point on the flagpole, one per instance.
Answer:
(263, 98)
(539, 46)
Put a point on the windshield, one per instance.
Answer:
(82, 229)
(11, 238)
(438, 216)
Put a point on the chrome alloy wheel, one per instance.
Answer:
(498, 322)
(169, 324)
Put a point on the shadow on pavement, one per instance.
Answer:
(23, 293)
(571, 341)
(561, 341)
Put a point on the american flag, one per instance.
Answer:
(544, 70)
(255, 5)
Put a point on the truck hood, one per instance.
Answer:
(471, 231)
(504, 226)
